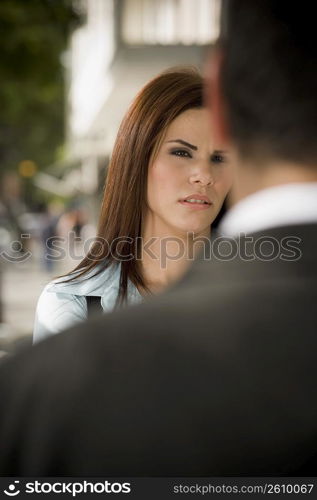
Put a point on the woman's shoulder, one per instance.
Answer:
(57, 311)
(62, 303)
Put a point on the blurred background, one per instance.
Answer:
(68, 71)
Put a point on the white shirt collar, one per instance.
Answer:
(278, 206)
(105, 284)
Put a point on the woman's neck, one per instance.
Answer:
(167, 254)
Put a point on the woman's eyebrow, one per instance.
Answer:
(191, 146)
(219, 152)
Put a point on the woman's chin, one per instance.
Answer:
(194, 223)
(194, 228)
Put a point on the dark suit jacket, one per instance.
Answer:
(218, 376)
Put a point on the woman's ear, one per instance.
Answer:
(214, 99)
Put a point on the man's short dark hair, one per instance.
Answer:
(269, 78)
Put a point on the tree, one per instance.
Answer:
(34, 36)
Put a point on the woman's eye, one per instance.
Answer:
(217, 157)
(181, 152)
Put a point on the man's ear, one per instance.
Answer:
(214, 99)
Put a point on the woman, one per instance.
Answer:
(164, 188)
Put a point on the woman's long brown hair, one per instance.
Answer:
(124, 202)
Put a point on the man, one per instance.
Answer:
(217, 376)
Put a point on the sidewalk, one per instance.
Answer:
(22, 284)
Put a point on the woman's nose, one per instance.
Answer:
(202, 174)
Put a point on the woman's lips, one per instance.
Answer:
(196, 206)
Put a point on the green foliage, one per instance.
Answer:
(34, 36)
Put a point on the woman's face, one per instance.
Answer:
(188, 180)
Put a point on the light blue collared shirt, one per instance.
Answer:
(62, 305)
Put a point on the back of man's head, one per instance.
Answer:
(269, 79)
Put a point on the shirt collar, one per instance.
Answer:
(89, 284)
(277, 206)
